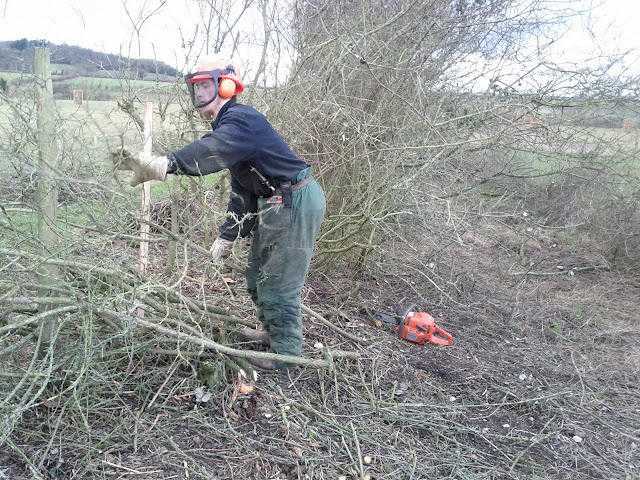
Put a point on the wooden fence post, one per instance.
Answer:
(145, 201)
(145, 198)
(47, 187)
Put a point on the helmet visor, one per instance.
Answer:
(203, 86)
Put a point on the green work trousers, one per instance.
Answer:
(281, 251)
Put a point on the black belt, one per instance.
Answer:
(295, 186)
(284, 192)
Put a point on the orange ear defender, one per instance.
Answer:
(227, 88)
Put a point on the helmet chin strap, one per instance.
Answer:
(211, 113)
(203, 105)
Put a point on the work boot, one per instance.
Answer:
(265, 364)
(253, 335)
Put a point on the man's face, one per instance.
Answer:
(202, 87)
(204, 90)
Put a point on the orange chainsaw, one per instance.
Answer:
(417, 327)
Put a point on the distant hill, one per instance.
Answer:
(72, 61)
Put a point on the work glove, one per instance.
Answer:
(220, 249)
(143, 168)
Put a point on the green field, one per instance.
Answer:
(89, 83)
(88, 132)
(94, 87)
(11, 75)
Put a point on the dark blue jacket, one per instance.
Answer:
(243, 141)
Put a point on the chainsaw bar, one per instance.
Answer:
(387, 319)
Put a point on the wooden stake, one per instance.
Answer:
(145, 200)
(47, 187)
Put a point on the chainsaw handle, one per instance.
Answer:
(439, 336)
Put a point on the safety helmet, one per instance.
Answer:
(212, 78)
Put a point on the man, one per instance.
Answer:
(272, 196)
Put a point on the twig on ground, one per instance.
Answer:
(334, 327)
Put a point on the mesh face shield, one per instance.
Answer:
(203, 86)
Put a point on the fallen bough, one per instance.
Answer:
(183, 312)
(327, 362)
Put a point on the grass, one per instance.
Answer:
(93, 83)
(573, 149)
(162, 190)
(12, 75)
(24, 222)
(89, 132)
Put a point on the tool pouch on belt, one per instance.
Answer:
(287, 195)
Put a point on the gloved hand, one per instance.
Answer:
(144, 169)
(220, 249)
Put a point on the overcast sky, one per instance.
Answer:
(103, 25)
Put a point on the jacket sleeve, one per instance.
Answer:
(230, 143)
(241, 211)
